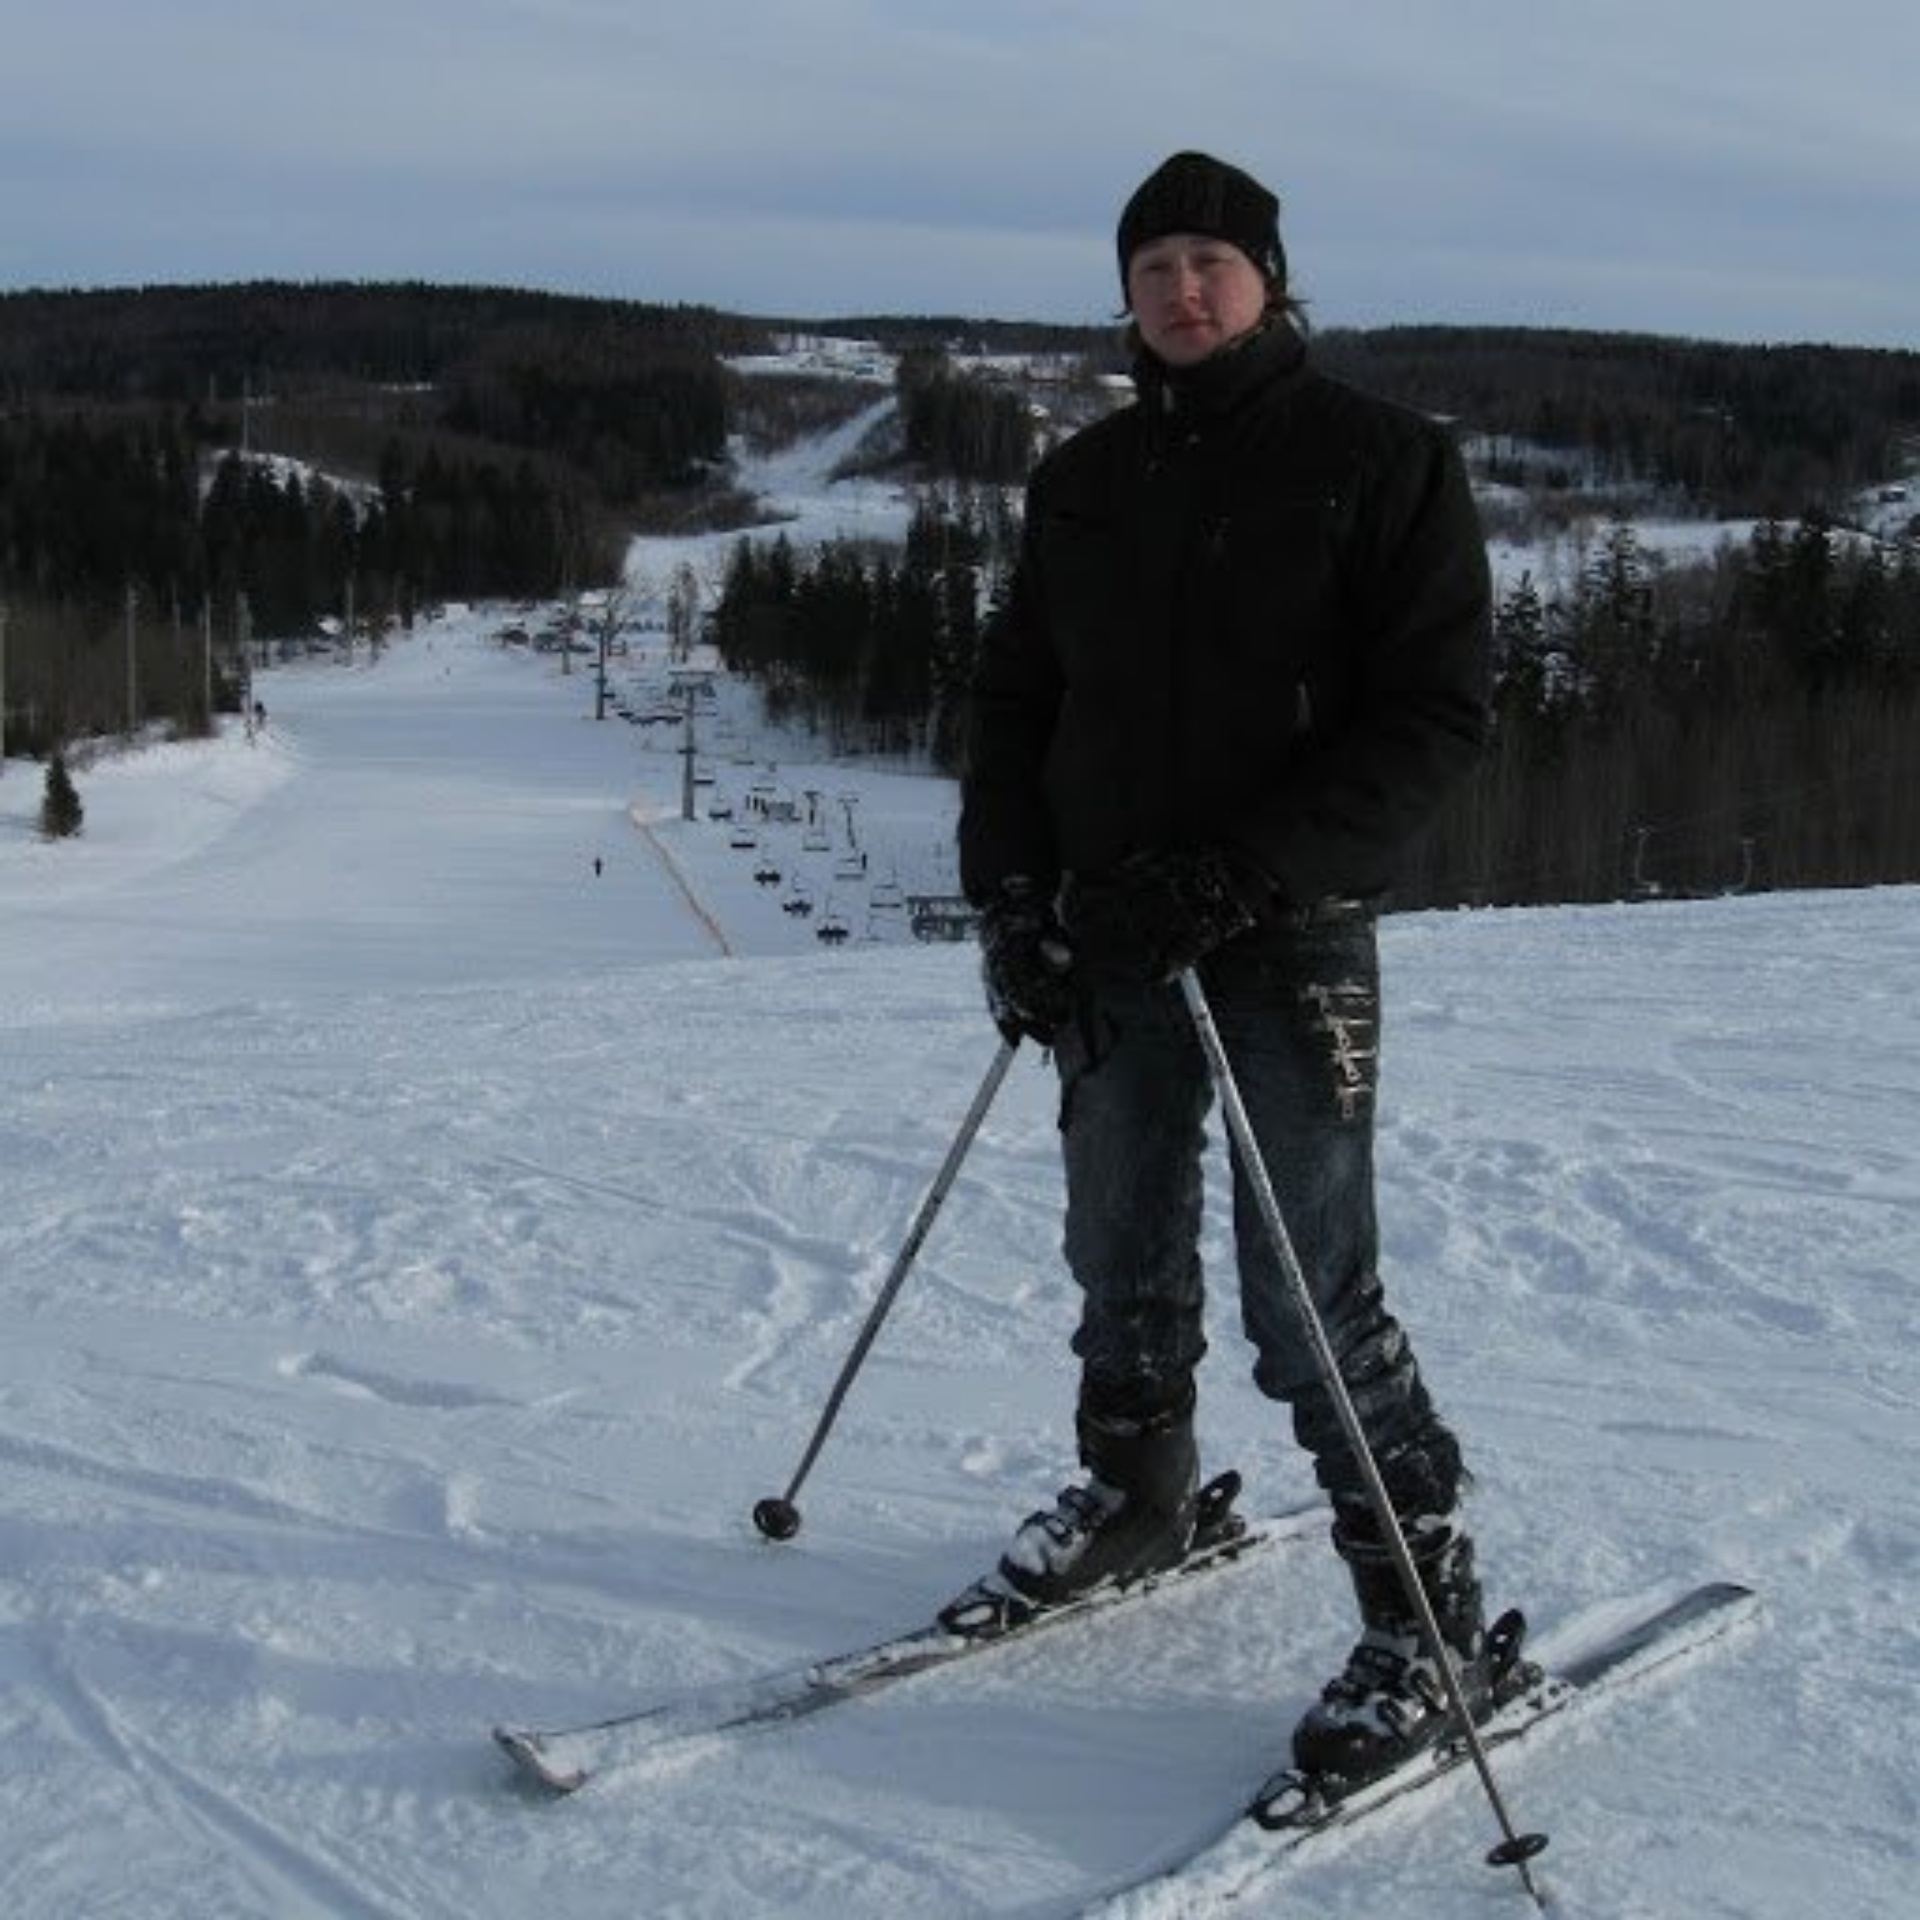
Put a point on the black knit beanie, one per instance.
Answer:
(1195, 193)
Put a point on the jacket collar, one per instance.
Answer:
(1191, 398)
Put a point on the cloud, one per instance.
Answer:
(1745, 171)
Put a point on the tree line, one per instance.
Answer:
(1733, 430)
(1748, 722)
(245, 461)
(136, 567)
(870, 647)
(636, 395)
(964, 427)
(174, 345)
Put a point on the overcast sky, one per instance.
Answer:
(1732, 169)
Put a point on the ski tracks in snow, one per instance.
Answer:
(246, 1863)
(124, 1702)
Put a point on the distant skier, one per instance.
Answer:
(1244, 654)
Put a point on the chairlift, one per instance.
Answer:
(888, 896)
(816, 839)
(744, 840)
(943, 917)
(850, 866)
(832, 930)
(798, 903)
(766, 874)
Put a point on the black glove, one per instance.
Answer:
(1025, 962)
(1156, 914)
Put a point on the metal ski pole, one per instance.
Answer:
(1515, 1849)
(776, 1516)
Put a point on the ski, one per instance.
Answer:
(1291, 1809)
(563, 1759)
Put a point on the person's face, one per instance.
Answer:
(1190, 295)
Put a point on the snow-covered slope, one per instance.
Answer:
(418, 1252)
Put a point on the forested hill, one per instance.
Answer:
(1741, 430)
(187, 343)
(631, 396)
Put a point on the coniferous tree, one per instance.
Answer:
(61, 814)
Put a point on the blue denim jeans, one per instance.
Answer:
(1299, 1014)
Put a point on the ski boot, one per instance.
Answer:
(1390, 1701)
(1133, 1515)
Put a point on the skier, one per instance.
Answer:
(1244, 654)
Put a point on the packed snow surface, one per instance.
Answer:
(420, 1249)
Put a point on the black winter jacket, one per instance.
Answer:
(1250, 612)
